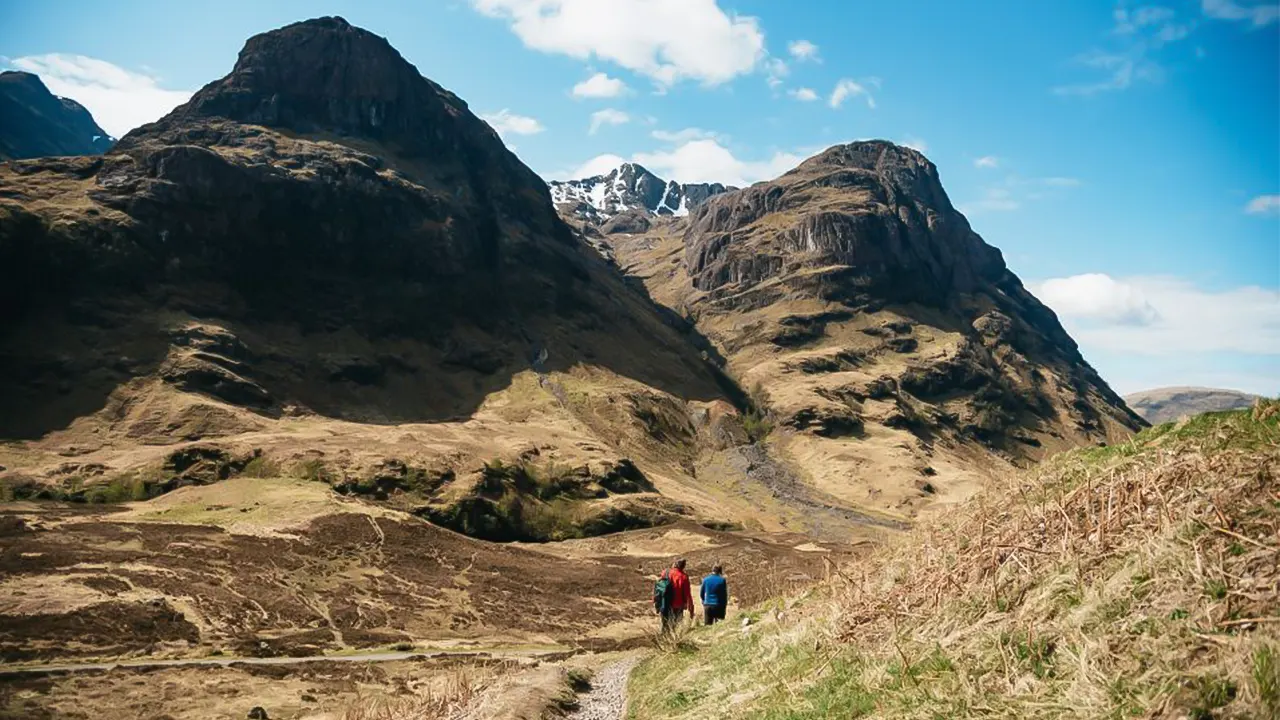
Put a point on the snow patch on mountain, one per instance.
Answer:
(630, 187)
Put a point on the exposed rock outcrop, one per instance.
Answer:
(877, 328)
(36, 123)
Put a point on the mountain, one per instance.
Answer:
(36, 123)
(896, 355)
(325, 236)
(280, 370)
(1163, 405)
(630, 189)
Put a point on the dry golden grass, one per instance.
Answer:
(1139, 580)
(446, 699)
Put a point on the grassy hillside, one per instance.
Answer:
(1138, 580)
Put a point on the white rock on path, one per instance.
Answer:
(607, 698)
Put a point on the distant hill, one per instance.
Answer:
(1167, 404)
(36, 123)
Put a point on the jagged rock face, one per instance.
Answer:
(883, 339)
(36, 123)
(874, 213)
(416, 199)
(630, 188)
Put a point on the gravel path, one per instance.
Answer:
(608, 695)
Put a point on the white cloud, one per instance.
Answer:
(1164, 315)
(775, 70)
(608, 116)
(915, 143)
(120, 100)
(667, 40)
(1264, 205)
(599, 85)
(847, 88)
(987, 161)
(1099, 297)
(507, 123)
(803, 50)
(709, 161)
(1258, 14)
(598, 165)
(700, 160)
(995, 199)
(684, 136)
(803, 94)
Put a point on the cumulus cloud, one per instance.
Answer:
(846, 88)
(608, 116)
(666, 40)
(987, 161)
(598, 165)
(1264, 205)
(709, 161)
(507, 123)
(693, 161)
(803, 94)
(1098, 296)
(1164, 315)
(1257, 14)
(599, 85)
(803, 50)
(120, 100)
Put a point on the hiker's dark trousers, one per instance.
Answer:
(712, 614)
(671, 619)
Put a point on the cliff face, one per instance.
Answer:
(36, 123)
(882, 334)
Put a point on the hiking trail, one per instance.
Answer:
(607, 698)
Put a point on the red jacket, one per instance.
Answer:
(681, 592)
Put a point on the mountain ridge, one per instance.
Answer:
(1167, 404)
(629, 188)
(36, 123)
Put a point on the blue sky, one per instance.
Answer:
(1125, 157)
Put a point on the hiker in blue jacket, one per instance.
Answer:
(715, 595)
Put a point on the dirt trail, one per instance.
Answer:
(228, 661)
(607, 699)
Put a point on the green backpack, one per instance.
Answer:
(662, 591)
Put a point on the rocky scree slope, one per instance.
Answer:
(36, 123)
(318, 245)
(898, 357)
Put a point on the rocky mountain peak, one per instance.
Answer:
(628, 189)
(873, 212)
(325, 75)
(37, 123)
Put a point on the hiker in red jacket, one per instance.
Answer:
(677, 598)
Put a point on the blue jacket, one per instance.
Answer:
(715, 591)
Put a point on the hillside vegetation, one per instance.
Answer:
(1137, 580)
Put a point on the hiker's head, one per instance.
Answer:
(678, 564)
(717, 569)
